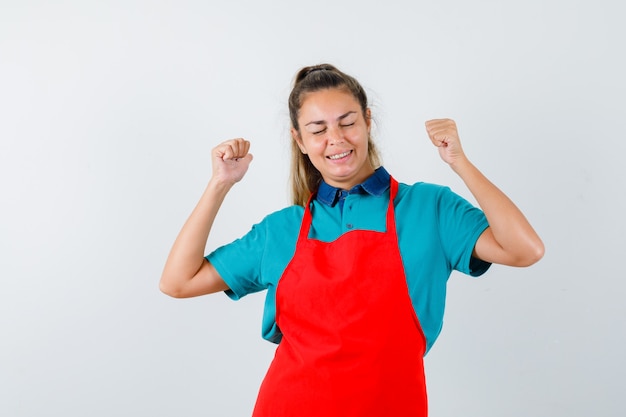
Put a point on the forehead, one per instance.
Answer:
(328, 103)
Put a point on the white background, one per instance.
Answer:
(108, 112)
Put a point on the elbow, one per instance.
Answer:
(532, 254)
(169, 289)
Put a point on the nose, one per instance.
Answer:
(334, 136)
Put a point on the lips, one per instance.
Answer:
(339, 155)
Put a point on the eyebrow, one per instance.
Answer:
(321, 122)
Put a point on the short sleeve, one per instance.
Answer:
(460, 225)
(239, 263)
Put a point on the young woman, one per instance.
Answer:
(356, 269)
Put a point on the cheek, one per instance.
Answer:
(314, 145)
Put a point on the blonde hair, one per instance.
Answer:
(305, 178)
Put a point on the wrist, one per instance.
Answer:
(462, 166)
(219, 186)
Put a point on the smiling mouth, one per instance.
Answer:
(339, 155)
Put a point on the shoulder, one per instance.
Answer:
(287, 214)
(277, 225)
(285, 220)
(430, 201)
(421, 192)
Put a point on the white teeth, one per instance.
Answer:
(339, 156)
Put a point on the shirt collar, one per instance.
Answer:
(375, 185)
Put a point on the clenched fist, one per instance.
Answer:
(445, 136)
(231, 160)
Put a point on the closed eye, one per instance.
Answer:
(319, 132)
(347, 125)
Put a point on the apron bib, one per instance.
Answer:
(352, 345)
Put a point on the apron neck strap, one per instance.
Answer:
(391, 223)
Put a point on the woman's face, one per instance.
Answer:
(334, 134)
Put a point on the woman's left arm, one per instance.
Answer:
(509, 239)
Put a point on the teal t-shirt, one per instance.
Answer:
(437, 230)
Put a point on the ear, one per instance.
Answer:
(296, 137)
(368, 119)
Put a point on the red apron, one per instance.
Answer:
(352, 345)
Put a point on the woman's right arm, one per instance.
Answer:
(187, 273)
